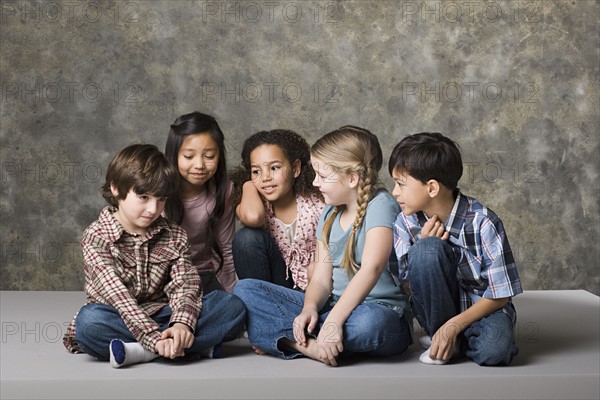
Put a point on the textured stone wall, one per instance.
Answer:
(515, 83)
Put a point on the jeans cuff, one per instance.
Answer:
(289, 353)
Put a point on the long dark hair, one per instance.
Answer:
(190, 124)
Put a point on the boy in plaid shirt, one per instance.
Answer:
(144, 297)
(453, 256)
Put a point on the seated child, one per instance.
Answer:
(279, 208)
(144, 297)
(351, 304)
(454, 254)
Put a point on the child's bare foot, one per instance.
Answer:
(258, 351)
(311, 350)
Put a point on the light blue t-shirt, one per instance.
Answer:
(382, 210)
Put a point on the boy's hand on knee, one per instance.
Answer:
(434, 227)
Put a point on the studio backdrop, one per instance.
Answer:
(515, 83)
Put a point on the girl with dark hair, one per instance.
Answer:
(351, 304)
(279, 208)
(203, 206)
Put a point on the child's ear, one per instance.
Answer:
(353, 179)
(297, 168)
(433, 188)
(114, 190)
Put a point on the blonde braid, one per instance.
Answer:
(352, 150)
(365, 192)
(327, 226)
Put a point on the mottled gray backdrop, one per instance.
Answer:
(514, 83)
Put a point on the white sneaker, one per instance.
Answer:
(425, 359)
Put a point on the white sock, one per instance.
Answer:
(425, 342)
(425, 359)
(122, 354)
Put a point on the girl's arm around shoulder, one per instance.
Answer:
(251, 210)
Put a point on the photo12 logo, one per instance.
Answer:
(272, 11)
(451, 92)
(68, 13)
(253, 92)
(492, 172)
(63, 91)
(55, 173)
(463, 12)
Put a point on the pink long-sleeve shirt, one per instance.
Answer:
(195, 223)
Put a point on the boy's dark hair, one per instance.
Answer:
(428, 155)
(141, 168)
(293, 146)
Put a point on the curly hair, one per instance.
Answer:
(294, 148)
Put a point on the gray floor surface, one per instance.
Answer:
(558, 334)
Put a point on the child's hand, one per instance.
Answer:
(434, 227)
(442, 343)
(165, 348)
(182, 337)
(330, 342)
(305, 321)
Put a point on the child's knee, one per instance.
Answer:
(369, 322)
(429, 252)
(245, 237)
(500, 354)
(430, 245)
(493, 345)
(244, 287)
(88, 322)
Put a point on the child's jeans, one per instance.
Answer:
(221, 320)
(256, 256)
(432, 271)
(371, 328)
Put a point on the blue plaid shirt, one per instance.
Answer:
(486, 267)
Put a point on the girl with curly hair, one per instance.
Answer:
(279, 209)
(352, 304)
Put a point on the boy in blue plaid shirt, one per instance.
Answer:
(453, 256)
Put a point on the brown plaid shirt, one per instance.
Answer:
(139, 275)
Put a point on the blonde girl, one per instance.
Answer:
(351, 304)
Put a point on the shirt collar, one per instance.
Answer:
(457, 216)
(455, 219)
(113, 230)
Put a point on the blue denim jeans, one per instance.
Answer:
(221, 320)
(432, 269)
(371, 328)
(256, 256)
